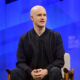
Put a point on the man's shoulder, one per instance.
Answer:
(25, 35)
(55, 35)
(53, 32)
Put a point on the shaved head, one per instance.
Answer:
(35, 8)
(38, 16)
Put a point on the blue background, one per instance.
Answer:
(63, 17)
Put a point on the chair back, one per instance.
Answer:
(67, 63)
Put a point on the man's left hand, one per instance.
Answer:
(42, 73)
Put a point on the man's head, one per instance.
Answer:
(38, 16)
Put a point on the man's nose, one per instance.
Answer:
(42, 17)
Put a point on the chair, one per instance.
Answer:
(67, 74)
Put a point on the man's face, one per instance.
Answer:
(39, 17)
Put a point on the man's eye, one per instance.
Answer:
(39, 14)
(44, 14)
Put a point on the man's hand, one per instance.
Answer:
(39, 74)
(43, 73)
(35, 74)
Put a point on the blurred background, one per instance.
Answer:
(63, 17)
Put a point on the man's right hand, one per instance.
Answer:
(35, 74)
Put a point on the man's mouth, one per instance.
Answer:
(42, 21)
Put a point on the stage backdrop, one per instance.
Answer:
(63, 17)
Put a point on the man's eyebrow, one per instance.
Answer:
(41, 14)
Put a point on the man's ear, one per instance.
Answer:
(31, 18)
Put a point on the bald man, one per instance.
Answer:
(40, 54)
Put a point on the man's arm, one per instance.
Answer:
(59, 61)
(21, 60)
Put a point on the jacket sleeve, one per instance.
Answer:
(21, 60)
(59, 53)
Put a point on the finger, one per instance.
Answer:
(41, 77)
(37, 74)
(35, 77)
(35, 70)
(39, 70)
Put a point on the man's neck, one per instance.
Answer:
(39, 31)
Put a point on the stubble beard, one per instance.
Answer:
(40, 26)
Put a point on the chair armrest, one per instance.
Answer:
(9, 72)
(71, 73)
(68, 73)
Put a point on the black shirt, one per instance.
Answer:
(41, 61)
(45, 51)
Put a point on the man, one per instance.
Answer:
(40, 54)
